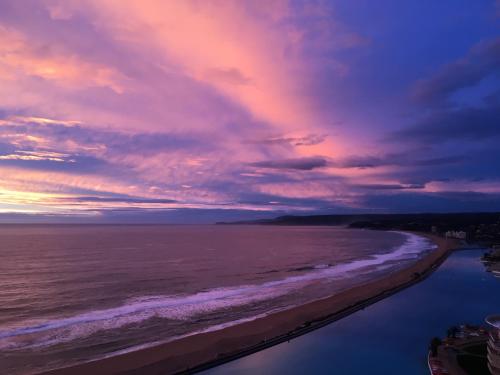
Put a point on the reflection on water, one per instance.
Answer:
(391, 336)
(74, 293)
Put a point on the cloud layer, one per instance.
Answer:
(153, 109)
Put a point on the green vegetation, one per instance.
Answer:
(434, 345)
(452, 332)
(479, 349)
(473, 365)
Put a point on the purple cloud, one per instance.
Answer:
(303, 164)
(482, 61)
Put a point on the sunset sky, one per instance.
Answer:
(196, 111)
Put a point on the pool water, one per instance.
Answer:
(392, 335)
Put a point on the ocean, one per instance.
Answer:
(75, 293)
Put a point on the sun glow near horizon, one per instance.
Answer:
(277, 106)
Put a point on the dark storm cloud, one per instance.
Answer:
(303, 164)
(478, 167)
(479, 164)
(467, 124)
(482, 60)
(438, 161)
(461, 142)
(409, 158)
(389, 186)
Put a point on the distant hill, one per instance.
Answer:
(301, 220)
(481, 227)
(381, 220)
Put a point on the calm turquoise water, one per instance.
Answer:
(391, 336)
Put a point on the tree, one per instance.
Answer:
(452, 332)
(435, 343)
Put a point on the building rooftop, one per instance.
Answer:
(493, 320)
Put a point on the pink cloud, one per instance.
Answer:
(89, 81)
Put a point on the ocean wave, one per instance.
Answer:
(186, 307)
(310, 268)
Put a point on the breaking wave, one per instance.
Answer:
(185, 307)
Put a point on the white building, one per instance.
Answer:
(461, 235)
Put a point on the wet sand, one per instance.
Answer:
(205, 350)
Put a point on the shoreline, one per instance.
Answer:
(202, 351)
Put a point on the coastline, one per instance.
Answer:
(204, 350)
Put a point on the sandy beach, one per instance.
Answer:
(205, 350)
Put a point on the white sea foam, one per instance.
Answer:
(185, 307)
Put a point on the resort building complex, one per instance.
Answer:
(494, 344)
(461, 235)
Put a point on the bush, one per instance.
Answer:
(435, 343)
